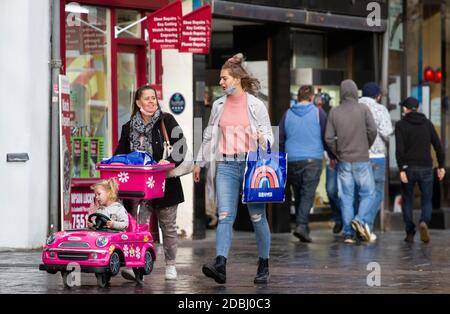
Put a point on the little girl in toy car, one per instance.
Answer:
(107, 205)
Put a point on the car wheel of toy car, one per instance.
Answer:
(103, 280)
(114, 264)
(148, 263)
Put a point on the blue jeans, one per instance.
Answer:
(332, 193)
(229, 177)
(304, 176)
(424, 177)
(379, 176)
(353, 175)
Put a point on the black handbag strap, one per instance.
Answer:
(164, 131)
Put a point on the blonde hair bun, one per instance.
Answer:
(237, 68)
(239, 58)
(110, 185)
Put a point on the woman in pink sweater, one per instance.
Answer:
(238, 120)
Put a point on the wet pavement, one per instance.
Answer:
(325, 266)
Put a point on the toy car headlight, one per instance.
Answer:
(51, 239)
(101, 241)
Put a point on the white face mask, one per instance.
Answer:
(230, 90)
(145, 113)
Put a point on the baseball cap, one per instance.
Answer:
(371, 89)
(410, 103)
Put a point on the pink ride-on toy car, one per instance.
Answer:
(100, 251)
(103, 251)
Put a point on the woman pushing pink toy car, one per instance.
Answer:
(144, 133)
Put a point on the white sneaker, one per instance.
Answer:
(349, 240)
(367, 232)
(171, 272)
(373, 237)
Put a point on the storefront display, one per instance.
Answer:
(103, 71)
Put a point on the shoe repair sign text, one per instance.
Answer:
(168, 29)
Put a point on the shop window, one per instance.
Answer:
(445, 104)
(431, 34)
(309, 50)
(310, 55)
(421, 49)
(87, 60)
(446, 100)
(125, 18)
(396, 48)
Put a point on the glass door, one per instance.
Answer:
(126, 85)
(130, 75)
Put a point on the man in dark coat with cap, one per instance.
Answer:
(414, 135)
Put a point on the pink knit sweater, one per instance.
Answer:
(235, 126)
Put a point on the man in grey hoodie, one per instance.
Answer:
(350, 132)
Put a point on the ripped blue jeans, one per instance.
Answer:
(229, 177)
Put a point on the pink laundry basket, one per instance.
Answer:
(137, 182)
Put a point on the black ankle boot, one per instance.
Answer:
(216, 271)
(262, 275)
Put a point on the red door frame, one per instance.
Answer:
(139, 43)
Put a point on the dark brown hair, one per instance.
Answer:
(234, 66)
(305, 92)
(138, 95)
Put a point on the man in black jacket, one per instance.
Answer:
(414, 135)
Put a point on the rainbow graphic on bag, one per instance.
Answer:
(264, 177)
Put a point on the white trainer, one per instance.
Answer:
(373, 237)
(171, 272)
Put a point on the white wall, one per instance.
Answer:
(177, 78)
(24, 121)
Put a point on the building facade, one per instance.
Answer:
(105, 64)
(287, 44)
(290, 43)
(24, 122)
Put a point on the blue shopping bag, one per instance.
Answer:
(133, 158)
(265, 176)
